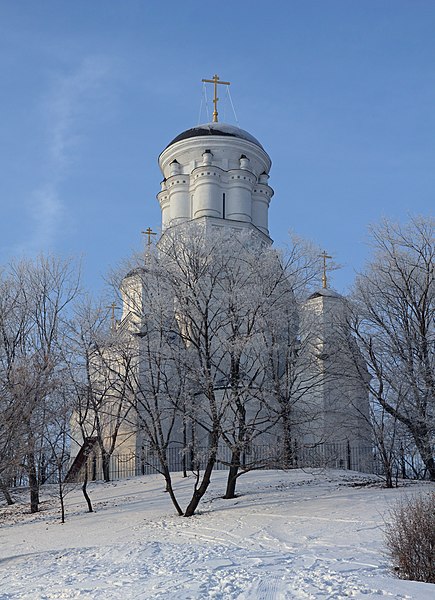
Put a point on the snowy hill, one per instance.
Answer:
(296, 534)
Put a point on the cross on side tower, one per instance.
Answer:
(112, 308)
(149, 232)
(324, 278)
(216, 82)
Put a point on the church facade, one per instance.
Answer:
(217, 176)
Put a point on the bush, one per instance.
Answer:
(410, 538)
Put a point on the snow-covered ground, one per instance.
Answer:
(288, 535)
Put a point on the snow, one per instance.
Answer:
(296, 534)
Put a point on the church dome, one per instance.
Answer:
(214, 129)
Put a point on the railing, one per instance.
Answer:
(337, 456)
(326, 455)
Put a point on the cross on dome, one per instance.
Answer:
(216, 82)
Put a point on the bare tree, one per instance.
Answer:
(199, 306)
(290, 356)
(395, 302)
(14, 326)
(197, 310)
(265, 349)
(57, 441)
(250, 285)
(99, 369)
(158, 382)
(195, 263)
(38, 296)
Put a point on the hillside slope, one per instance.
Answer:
(296, 534)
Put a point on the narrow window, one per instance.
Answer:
(223, 206)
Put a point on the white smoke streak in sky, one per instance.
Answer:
(72, 97)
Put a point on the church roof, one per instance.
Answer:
(326, 292)
(134, 272)
(213, 129)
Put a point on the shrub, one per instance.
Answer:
(410, 538)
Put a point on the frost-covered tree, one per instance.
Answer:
(99, 368)
(197, 309)
(159, 390)
(35, 298)
(200, 267)
(395, 302)
(270, 339)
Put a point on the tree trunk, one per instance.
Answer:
(388, 477)
(62, 506)
(33, 483)
(62, 491)
(6, 494)
(200, 491)
(236, 453)
(105, 462)
(85, 491)
(184, 448)
(170, 490)
(402, 462)
(232, 476)
(287, 451)
(425, 448)
(388, 465)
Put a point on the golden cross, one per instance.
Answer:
(324, 280)
(216, 82)
(149, 232)
(113, 307)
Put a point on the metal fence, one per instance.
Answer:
(327, 455)
(336, 456)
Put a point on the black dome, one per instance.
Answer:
(221, 129)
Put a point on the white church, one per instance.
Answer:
(217, 175)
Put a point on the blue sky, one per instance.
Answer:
(341, 93)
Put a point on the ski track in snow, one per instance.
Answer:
(285, 538)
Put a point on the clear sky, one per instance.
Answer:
(341, 93)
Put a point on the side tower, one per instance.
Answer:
(339, 401)
(216, 173)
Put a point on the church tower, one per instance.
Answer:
(218, 174)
